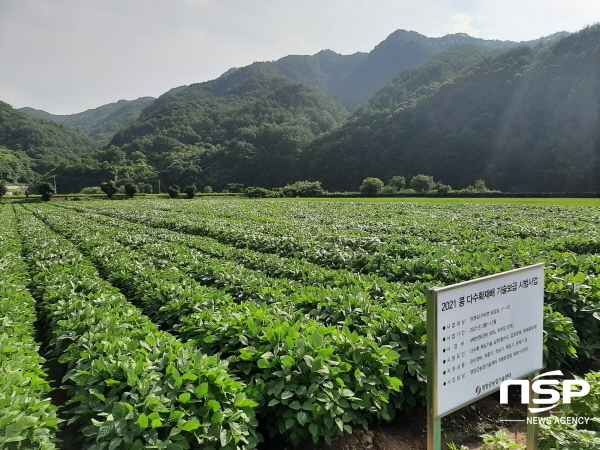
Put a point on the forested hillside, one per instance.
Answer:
(99, 123)
(524, 120)
(29, 145)
(353, 79)
(253, 132)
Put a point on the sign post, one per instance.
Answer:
(480, 333)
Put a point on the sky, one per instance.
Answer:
(67, 56)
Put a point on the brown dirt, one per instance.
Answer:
(409, 431)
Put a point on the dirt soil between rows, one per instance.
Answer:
(463, 428)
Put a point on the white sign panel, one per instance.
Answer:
(486, 331)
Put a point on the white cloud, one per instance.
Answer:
(462, 23)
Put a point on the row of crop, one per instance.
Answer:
(351, 382)
(167, 251)
(423, 262)
(374, 226)
(272, 265)
(27, 417)
(564, 290)
(167, 292)
(572, 286)
(129, 385)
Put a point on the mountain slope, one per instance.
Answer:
(213, 133)
(48, 144)
(527, 119)
(352, 79)
(100, 123)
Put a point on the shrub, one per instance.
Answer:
(421, 183)
(144, 188)
(91, 190)
(480, 186)
(130, 189)
(303, 189)
(235, 187)
(371, 186)
(208, 189)
(46, 190)
(443, 188)
(258, 192)
(3, 188)
(109, 188)
(397, 183)
(190, 191)
(173, 191)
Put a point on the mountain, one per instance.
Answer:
(252, 131)
(99, 123)
(521, 116)
(39, 144)
(352, 79)
(526, 119)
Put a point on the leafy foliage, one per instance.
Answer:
(523, 119)
(130, 189)
(46, 190)
(421, 183)
(109, 188)
(130, 385)
(27, 417)
(173, 191)
(37, 145)
(190, 191)
(371, 186)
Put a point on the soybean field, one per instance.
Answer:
(217, 324)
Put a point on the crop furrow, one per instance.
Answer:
(130, 385)
(27, 417)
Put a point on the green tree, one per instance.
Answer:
(46, 190)
(442, 188)
(235, 187)
(371, 186)
(173, 191)
(190, 191)
(303, 189)
(208, 189)
(144, 188)
(130, 189)
(480, 186)
(109, 188)
(422, 183)
(397, 182)
(3, 188)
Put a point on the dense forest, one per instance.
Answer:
(522, 117)
(99, 123)
(526, 119)
(30, 147)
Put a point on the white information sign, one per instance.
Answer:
(486, 331)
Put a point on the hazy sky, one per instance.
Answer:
(66, 56)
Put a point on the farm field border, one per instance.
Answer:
(588, 202)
